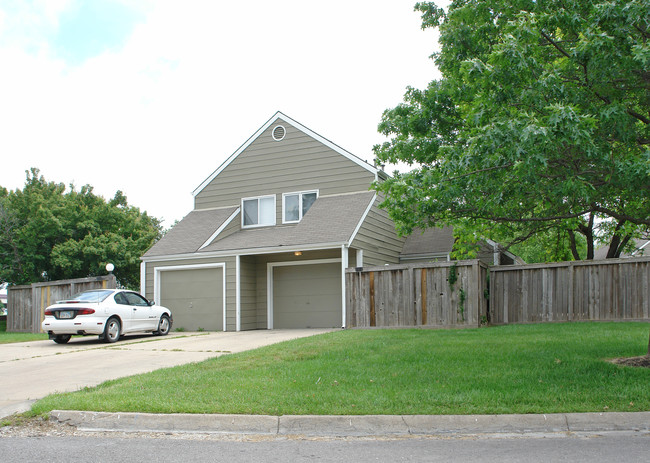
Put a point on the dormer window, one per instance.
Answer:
(258, 212)
(296, 205)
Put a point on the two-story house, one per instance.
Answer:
(273, 230)
(271, 233)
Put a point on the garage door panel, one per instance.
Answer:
(307, 296)
(195, 297)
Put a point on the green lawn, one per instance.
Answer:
(6, 338)
(511, 369)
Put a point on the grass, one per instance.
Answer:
(510, 369)
(6, 338)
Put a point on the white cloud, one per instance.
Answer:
(193, 82)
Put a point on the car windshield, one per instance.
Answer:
(93, 296)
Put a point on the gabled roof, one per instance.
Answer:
(429, 242)
(192, 232)
(280, 116)
(331, 221)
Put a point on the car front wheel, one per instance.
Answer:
(112, 330)
(164, 326)
(62, 338)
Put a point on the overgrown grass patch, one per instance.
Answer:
(512, 369)
(6, 338)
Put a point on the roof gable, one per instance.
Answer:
(278, 116)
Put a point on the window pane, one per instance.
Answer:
(267, 211)
(291, 208)
(307, 200)
(250, 212)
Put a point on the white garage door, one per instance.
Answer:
(307, 296)
(195, 297)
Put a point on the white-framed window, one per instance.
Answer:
(258, 212)
(295, 205)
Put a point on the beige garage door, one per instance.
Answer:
(195, 298)
(307, 296)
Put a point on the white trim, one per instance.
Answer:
(344, 265)
(243, 252)
(237, 293)
(143, 278)
(222, 265)
(363, 218)
(359, 258)
(220, 229)
(259, 210)
(302, 128)
(299, 193)
(284, 134)
(269, 281)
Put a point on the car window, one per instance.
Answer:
(136, 299)
(93, 295)
(121, 299)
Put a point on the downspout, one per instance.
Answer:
(344, 265)
(237, 293)
(143, 280)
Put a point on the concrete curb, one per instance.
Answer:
(355, 425)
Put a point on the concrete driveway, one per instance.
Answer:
(31, 370)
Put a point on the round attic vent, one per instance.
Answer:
(279, 132)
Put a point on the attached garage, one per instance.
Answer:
(306, 296)
(194, 295)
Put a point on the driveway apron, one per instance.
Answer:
(31, 370)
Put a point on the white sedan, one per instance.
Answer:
(109, 313)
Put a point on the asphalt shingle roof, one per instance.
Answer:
(189, 234)
(331, 219)
(429, 241)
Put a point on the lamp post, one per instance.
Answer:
(109, 268)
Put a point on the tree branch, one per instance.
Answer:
(552, 42)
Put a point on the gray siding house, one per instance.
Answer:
(271, 233)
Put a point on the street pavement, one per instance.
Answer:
(622, 447)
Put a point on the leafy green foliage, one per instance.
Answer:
(540, 124)
(48, 232)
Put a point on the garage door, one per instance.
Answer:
(307, 296)
(195, 297)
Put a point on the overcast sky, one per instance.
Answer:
(151, 96)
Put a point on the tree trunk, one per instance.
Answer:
(617, 244)
(588, 231)
(574, 248)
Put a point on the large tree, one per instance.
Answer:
(50, 232)
(540, 124)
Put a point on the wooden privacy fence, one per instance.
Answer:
(443, 294)
(612, 289)
(26, 304)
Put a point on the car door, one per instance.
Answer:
(124, 310)
(143, 316)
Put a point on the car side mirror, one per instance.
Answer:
(152, 303)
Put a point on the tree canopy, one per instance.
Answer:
(540, 124)
(49, 232)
